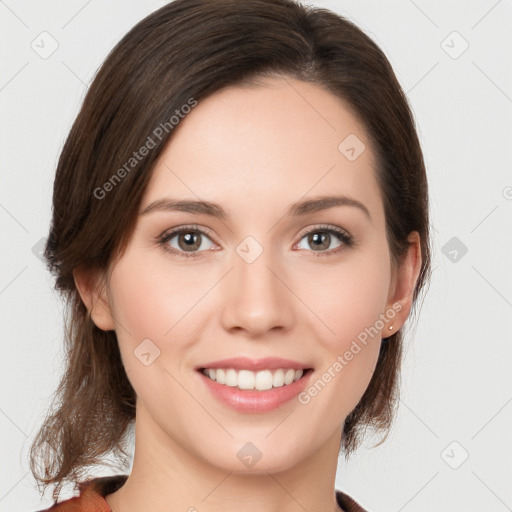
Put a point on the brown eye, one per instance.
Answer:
(319, 240)
(185, 240)
(325, 240)
(189, 241)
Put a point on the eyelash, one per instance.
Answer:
(346, 239)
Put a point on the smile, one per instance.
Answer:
(249, 380)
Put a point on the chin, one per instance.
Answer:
(254, 458)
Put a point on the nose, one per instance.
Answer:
(256, 298)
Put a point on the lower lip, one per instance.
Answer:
(255, 401)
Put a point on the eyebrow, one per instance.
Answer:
(215, 210)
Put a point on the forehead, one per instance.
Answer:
(266, 146)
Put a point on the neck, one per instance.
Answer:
(168, 476)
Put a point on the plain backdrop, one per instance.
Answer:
(450, 448)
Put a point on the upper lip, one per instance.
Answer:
(246, 363)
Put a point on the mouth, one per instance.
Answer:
(249, 380)
(249, 385)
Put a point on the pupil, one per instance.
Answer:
(319, 240)
(190, 241)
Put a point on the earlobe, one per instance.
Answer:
(404, 284)
(92, 289)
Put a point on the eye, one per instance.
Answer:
(321, 239)
(186, 241)
(191, 241)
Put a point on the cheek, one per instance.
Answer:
(150, 302)
(347, 298)
(154, 300)
(350, 302)
(150, 296)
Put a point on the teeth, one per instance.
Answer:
(246, 379)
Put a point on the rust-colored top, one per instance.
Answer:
(93, 492)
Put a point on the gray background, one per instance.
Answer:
(457, 393)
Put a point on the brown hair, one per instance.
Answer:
(183, 52)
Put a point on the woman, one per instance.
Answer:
(240, 226)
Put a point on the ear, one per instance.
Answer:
(92, 289)
(403, 284)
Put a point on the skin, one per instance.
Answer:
(254, 151)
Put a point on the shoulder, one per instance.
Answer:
(91, 495)
(347, 503)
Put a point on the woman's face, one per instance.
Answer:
(279, 274)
